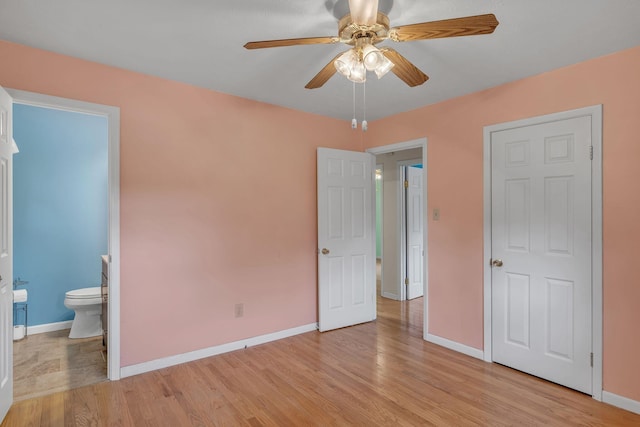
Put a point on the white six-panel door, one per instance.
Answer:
(6, 254)
(346, 238)
(414, 212)
(541, 250)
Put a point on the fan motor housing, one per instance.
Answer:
(350, 32)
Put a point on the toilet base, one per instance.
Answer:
(86, 324)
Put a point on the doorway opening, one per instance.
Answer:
(60, 232)
(111, 267)
(391, 235)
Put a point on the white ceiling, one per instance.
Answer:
(200, 42)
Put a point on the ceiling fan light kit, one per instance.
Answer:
(351, 65)
(354, 63)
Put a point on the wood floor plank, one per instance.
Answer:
(112, 407)
(50, 362)
(376, 374)
(52, 410)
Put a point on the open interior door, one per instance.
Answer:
(414, 211)
(6, 254)
(346, 238)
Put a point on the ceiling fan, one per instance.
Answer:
(365, 27)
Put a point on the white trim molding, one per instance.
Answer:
(112, 114)
(49, 327)
(455, 346)
(595, 113)
(165, 362)
(390, 296)
(621, 402)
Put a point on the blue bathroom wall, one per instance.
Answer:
(60, 206)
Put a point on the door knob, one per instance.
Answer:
(325, 251)
(496, 263)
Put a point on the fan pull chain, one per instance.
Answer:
(354, 122)
(365, 125)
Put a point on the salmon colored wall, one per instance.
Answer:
(455, 133)
(218, 203)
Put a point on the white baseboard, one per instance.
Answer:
(621, 402)
(390, 296)
(49, 327)
(152, 365)
(455, 346)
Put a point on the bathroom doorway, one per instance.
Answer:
(59, 361)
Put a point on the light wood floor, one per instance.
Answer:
(376, 374)
(50, 362)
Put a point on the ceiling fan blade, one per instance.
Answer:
(363, 12)
(468, 26)
(405, 70)
(325, 74)
(291, 42)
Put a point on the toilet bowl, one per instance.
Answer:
(87, 303)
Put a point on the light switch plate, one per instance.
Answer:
(436, 214)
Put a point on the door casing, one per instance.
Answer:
(595, 112)
(112, 114)
(380, 166)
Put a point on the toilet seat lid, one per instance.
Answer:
(84, 293)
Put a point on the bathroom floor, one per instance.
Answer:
(50, 362)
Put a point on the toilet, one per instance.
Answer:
(87, 303)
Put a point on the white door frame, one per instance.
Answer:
(400, 146)
(112, 114)
(595, 113)
(381, 167)
(402, 223)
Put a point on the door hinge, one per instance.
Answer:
(406, 280)
(591, 358)
(591, 152)
(406, 184)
